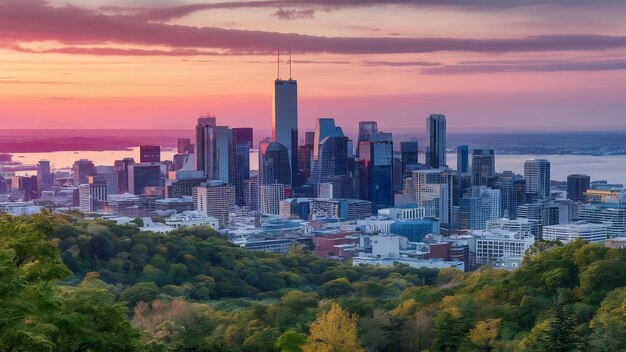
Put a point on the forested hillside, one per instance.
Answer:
(67, 284)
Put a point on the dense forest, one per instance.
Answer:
(67, 284)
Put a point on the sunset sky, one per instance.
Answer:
(487, 64)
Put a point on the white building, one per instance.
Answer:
(492, 246)
(190, 219)
(270, 197)
(574, 231)
(19, 208)
(525, 226)
(431, 189)
(215, 198)
(409, 213)
(85, 202)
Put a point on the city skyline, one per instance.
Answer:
(95, 64)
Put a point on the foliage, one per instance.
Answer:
(67, 284)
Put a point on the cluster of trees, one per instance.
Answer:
(72, 285)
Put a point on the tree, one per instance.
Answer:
(290, 341)
(557, 333)
(608, 327)
(449, 330)
(333, 331)
(485, 334)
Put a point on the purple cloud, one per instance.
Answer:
(294, 14)
(36, 20)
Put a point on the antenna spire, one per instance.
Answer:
(278, 60)
(290, 61)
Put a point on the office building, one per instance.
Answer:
(409, 156)
(574, 231)
(45, 180)
(614, 217)
(537, 175)
(121, 170)
(274, 164)
(144, 175)
(270, 196)
(215, 198)
(513, 191)
(478, 206)
(243, 144)
(252, 193)
(483, 167)
(215, 154)
(365, 129)
(577, 185)
(436, 127)
(150, 153)
(285, 120)
(524, 226)
(184, 146)
(433, 190)
(376, 170)
(462, 159)
(415, 230)
(181, 183)
(81, 170)
(495, 245)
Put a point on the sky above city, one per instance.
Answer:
(488, 65)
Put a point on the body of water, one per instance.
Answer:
(611, 168)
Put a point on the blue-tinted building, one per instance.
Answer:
(409, 155)
(436, 127)
(274, 164)
(376, 170)
(243, 143)
(462, 159)
(414, 230)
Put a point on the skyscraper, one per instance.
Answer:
(537, 175)
(365, 129)
(376, 170)
(462, 159)
(577, 185)
(513, 192)
(215, 150)
(243, 143)
(121, 169)
(45, 180)
(82, 169)
(273, 164)
(150, 154)
(480, 205)
(330, 151)
(483, 167)
(409, 155)
(436, 127)
(285, 120)
(144, 175)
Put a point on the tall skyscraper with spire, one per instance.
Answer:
(285, 117)
(436, 126)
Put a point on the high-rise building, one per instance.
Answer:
(215, 150)
(150, 153)
(274, 164)
(285, 120)
(513, 191)
(409, 155)
(184, 146)
(215, 198)
(252, 193)
(478, 206)
(433, 190)
(462, 159)
(577, 185)
(537, 175)
(483, 167)
(181, 183)
(81, 170)
(376, 170)
(121, 169)
(45, 180)
(330, 151)
(365, 129)
(436, 127)
(243, 144)
(144, 175)
(270, 197)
